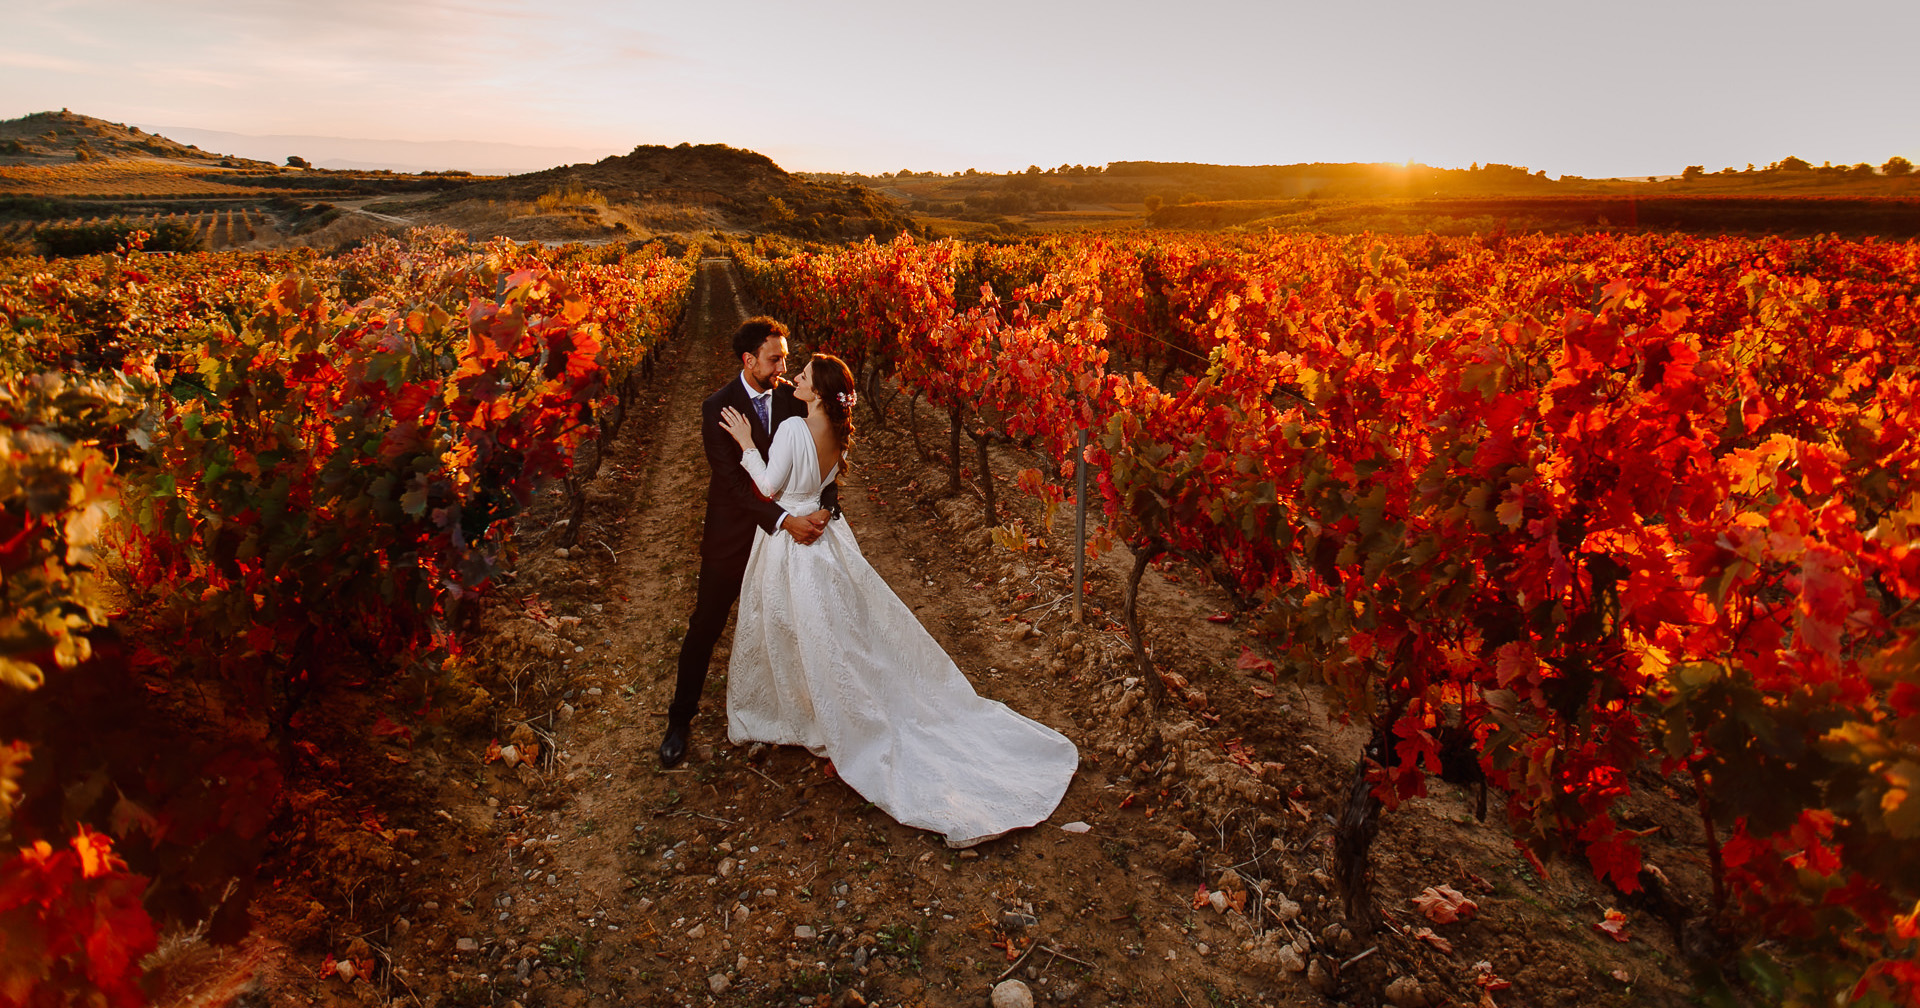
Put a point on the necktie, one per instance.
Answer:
(760, 407)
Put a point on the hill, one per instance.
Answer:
(45, 138)
(69, 171)
(684, 188)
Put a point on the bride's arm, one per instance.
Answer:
(771, 475)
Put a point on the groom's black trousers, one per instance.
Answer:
(719, 589)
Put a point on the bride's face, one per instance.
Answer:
(803, 385)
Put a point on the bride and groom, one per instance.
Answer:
(825, 655)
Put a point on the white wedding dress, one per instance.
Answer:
(826, 656)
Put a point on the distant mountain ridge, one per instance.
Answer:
(408, 156)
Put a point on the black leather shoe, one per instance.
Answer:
(673, 748)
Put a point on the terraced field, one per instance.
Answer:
(132, 178)
(216, 229)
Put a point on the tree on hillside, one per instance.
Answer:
(1896, 166)
(1693, 171)
(1790, 164)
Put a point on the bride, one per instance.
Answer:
(826, 656)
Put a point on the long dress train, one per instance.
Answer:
(826, 656)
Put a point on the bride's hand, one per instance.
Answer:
(735, 423)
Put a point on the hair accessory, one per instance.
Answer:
(849, 399)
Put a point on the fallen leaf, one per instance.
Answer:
(1200, 896)
(1427, 935)
(1444, 904)
(1614, 924)
(1252, 663)
(1623, 976)
(1220, 617)
(384, 727)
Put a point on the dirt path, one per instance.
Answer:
(756, 882)
(588, 875)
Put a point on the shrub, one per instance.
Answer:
(571, 196)
(91, 239)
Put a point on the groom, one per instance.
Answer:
(734, 508)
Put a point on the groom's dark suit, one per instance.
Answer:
(734, 508)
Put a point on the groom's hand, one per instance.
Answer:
(805, 530)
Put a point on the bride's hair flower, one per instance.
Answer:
(848, 399)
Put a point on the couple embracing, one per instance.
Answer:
(825, 655)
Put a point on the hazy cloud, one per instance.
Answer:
(41, 61)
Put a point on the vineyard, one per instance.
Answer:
(1572, 518)
(1621, 533)
(138, 178)
(297, 470)
(213, 230)
(1884, 216)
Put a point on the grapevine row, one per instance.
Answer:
(1592, 507)
(289, 459)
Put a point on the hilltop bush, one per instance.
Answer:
(572, 195)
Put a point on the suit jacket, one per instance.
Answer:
(734, 504)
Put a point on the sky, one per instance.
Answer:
(1633, 87)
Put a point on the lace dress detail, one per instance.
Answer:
(826, 656)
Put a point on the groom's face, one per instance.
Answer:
(770, 363)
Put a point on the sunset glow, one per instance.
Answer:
(1628, 89)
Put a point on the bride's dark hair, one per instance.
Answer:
(833, 383)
